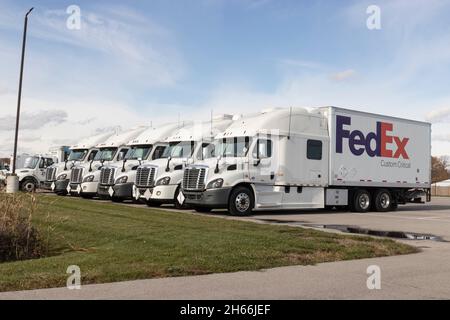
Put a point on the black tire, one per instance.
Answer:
(202, 209)
(383, 200)
(177, 204)
(153, 204)
(241, 202)
(28, 185)
(117, 200)
(87, 196)
(362, 201)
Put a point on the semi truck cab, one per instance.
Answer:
(117, 179)
(84, 177)
(58, 176)
(159, 181)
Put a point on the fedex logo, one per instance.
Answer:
(360, 143)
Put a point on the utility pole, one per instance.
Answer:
(13, 180)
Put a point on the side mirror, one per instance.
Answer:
(216, 170)
(168, 162)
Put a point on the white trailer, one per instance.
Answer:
(84, 177)
(295, 158)
(117, 178)
(159, 181)
(57, 176)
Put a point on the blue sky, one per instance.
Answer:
(136, 62)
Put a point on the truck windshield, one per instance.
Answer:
(207, 151)
(179, 149)
(233, 147)
(138, 152)
(106, 154)
(31, 162)
(77, 155)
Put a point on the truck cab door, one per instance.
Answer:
(42, 168)
(262, 161)
(315, 163)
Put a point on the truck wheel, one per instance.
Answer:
(117, 200)
(176, 203)
(153, 204)
(28, 185)
(361, 201)
(383, 200)
(241, 202)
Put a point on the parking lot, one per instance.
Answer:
(422, 275)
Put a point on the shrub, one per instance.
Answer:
(19, 239)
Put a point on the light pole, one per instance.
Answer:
(13, 180)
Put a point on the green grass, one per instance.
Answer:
(110, 242)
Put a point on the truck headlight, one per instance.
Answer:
(163, 181)
(62, 177)
(89, 178)
(217, 183)
(123, 179)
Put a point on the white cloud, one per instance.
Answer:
(34, 120)
(438, 115)
(296, 63)
(343, 75)
(129, 38)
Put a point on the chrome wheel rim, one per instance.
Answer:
(364, 201)
(242, 202)
(385, 200)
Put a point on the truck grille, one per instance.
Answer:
(194, 178)
(107, 176)
(145, 176)
(50, 174)
(76, 175)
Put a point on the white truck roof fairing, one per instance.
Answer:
(282, 120)
(122, 138)
(91, 142)
(156, 134)
(202, 130)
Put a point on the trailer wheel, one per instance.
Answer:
(361, 201)
(383, 200)
(28, 185)
(241, 202)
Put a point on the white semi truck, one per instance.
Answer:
(117, 178)
(58, 175)
(327, 157)
(32, 174)
(84, 177)
(159, 181)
